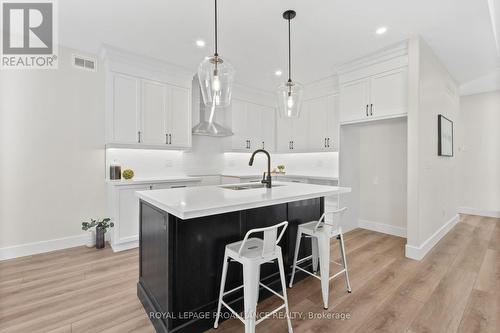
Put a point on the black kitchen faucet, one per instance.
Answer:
(265, 180)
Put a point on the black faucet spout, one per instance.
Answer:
(265, 180)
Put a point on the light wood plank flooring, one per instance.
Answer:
(456, 288)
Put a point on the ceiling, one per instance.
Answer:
(252, 33)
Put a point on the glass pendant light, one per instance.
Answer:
(290, 92)
(216, 77)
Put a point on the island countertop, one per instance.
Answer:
(192, 202)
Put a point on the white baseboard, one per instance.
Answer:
(27, 249)
(381, 227)
(126, 243)
(124, 246)
(419, 252)
(479, 212)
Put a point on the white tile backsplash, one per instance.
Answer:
(207, 158)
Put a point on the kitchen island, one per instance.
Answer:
(183, 233)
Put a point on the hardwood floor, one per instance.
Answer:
(455, 288)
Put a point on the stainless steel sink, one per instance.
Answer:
(246, 186)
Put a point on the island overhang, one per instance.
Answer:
(192, 202)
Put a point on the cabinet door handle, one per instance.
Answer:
(263, 145)
(150, 187)
(293, 145)
(170, 139)
(166, 139)
(139, 136)
(325, 142)
(367, 110)
(371, 109)
(328, 142)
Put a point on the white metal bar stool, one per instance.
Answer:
(251, 253)
(320, 233)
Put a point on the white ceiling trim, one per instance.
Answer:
(485, 83)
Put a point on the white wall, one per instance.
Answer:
(52, 156)
(373, 163)
(479, 154)
(432, 179)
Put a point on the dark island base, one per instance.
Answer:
(181, 261)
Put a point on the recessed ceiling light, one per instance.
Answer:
(200, 43)
(278, 73)
(381, 30)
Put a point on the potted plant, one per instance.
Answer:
(89, 227)
(100, 230)
(281, 168)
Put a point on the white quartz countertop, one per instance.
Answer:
(289, 175)
(167, 179)
(192, 202)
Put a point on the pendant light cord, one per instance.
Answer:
(289, 53)
(215, 54)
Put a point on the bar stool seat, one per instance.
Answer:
(251, 253)
(252, 249)
(320, 233)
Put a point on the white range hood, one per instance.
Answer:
(206, 125)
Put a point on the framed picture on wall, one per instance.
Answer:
(445, 136)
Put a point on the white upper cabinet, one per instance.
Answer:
(125, 109)
(285, 136)
(268, 128)
(148, 102)
(238, 114)
(253, 126)
(323, 123)
(292, 132)
(179, 117)
(316, 129)
(379, 96)
(149, 113)
(154, 111)
(354, 100)
(389, 93)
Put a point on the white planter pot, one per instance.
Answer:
(90, 238)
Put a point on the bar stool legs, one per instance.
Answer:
(344, 262)
(324, 267)
(251, 253)
(283, 287)
(251, 275)
(222, 286)
(320, 252)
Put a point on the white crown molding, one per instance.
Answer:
(419, 252)
(122, 61)
(396, 50)
(323, 87)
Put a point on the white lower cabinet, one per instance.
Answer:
(124, 211)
